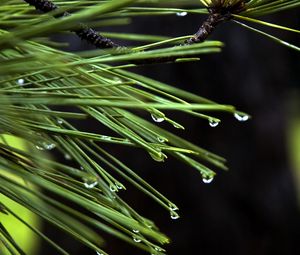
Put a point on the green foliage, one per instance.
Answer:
(37, 78)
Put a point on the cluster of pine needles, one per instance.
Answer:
(44, 90)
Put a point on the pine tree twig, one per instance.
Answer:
(94, 38)
(217, 15)
(42, 5)
(208, 26)
(90, 35)
(83, 31)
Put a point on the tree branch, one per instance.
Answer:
(208, 26)
(84, 32)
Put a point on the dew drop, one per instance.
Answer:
(177, 125)
(181, 14)
(67, 156)
(60, 121)
(98, 253)
(174, 215)
(81, 168)
(149, 225)
(161, 139)
(45, 146)
(104, 137)
(135, 231)
(241, 116)
(157, 118)
(213, 123)
(21, 82)
(39, 147)
(207, 179)
(119, 185)
(173, 207)
(157, 248)
(136, 239)
(113, 188)
(90, 182)
(158, 158)
(49, 146)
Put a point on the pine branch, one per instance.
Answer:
(84, 32)
(208, 26)
(91, 36)
(219, 12)
(44, 5)
(35, 77)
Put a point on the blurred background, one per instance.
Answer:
(254, 207)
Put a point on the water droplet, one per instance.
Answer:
(90, 182)
(177, 125)
(161, 139)
(113, 188)
(136, 239)
(174, 215)
(21, 82)
(39, 147)
(241, 116)
(60, 121)
(105, 137)
(81, 168)
(213, 123)
(135, 230)
(207, 179)
(119, 185)
(148, 225)
(49, 146)
(181, 14)
(67, 156)
(173, 207)
(98, 253)
(157, 157)
(157, 248)
(45, 146)
(157, 118)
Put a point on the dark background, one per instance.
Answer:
(252, 209)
